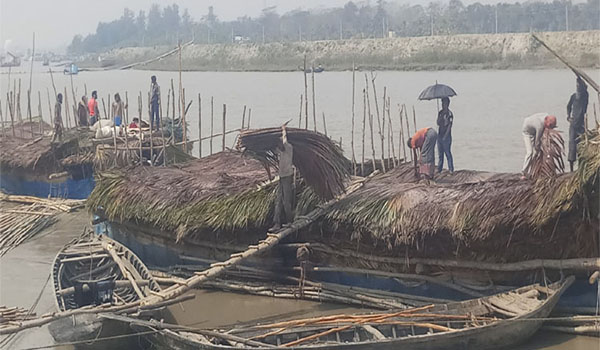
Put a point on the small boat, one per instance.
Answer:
(495, 321)
(92, 271)
(71, 69)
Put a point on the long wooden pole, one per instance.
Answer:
(378, 121)
(49, 105)
(40, 113)
(200, 125)
(353, 117)
(151, 130)
(224, 126)
(370, 116)
(325, 125)
(162, 132)
(11, 113)
(66, 103)
(249, 115)
(243, 117)
(184, 120)
(391, 144)
(30, 84)
(300, 113)
(314, 108)
(305, 96)
(126, 117)
(414, 118)
(141, 134)
(401, 138)
(75, 119)
(362, 160)
(212, 122)
(408, 135)
(2, 119)
(173, 107)
(29, 112)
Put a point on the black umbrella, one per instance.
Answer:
(437, 91)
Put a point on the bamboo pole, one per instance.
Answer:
(378, 120)
(184, 120)
(249, 115)
(300, 113)
(126, 117)
(362, 161)
(28, 112)
(401, 139)
(313, 97)
(325, 126)
(49, 106)
(19, 114)
(173, 108)
(141, 134)
(353, 117)
(408, 132)
(168, 102)
(391, 145)
(200, 125)
(67, 116)
(126, 109)
(383, 108)
(224, 125)
(162, 131)
(595, 115)
(370, 115)
(7, 113)
(74, 102)
(243, 117)
(52, 79)
(414, 118)
(2, 120)
(40, 113)
(212, 122)
(305, 96)
(12, 118)
(151, 130)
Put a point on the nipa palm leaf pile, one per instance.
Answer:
(222, 192)
(35, 155)
(502, 218)
(548, 161)
(319, 160)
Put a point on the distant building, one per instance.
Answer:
(238, 39)
(391, 34)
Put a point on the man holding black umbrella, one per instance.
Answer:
(444, 122)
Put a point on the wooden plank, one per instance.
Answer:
(124, 270)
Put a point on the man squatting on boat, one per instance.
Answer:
(58, 132)
(425, 140)
(284, 205)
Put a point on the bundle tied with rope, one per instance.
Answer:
(318, 159)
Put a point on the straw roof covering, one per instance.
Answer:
(494, 214)
(35, 155)
(219, 192)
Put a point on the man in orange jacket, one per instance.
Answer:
(424, 139)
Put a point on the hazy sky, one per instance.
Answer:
(55, 22)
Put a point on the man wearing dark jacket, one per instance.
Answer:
(576, 110)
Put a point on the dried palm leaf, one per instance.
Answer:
(548, 162)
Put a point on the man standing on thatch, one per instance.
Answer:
(82, 112)
(154, 100)
(425, 140)
(576, 110)
(284, 205)
(58, 119)
(444, 121)
(533, 129)
(93, 108)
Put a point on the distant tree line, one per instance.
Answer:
(166, 26)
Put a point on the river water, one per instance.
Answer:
(488, 113)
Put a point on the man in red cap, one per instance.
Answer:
(533, 129)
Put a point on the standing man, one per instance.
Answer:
(82, 112)
(425, 140)
(93, 108)
(533, 129)
(58, 129)
(285, 195)
(154, 100)
(576, 110)
(118, 108)
(444, 122)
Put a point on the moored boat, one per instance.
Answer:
(90, 272)
(495, 321)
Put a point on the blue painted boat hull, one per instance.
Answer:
(69, 188)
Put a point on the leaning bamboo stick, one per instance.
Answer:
(300, 113)
(408, 135)
(391, 145)
(362, 161)
(378, 121)
(325, 126)
(212, 122)
(353, 117)
(200, 125)
(243, 117)
(314, 108)
(141, 134)
(126, 117)
(28, 112)
(151, 130)
(305, 96)
(2, 120)
(249, 115)
(12, 118)
(183, 116)
(370, 125)
(414, 117)
(224, 125)
(401, 135)
(173, 108)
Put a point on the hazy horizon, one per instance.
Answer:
(55, 23)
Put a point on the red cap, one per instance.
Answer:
(550, 122)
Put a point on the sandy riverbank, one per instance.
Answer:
(469, 51)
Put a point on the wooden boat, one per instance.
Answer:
(490, 322)
(92, 271)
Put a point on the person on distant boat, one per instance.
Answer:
(118, 108)
(154, 103)
(93, 108)
(425, 140)
(82, 112)
(135, 123)
(58, 129)
(284, 204)
(533, 129)
(444, 122)
(576, 110)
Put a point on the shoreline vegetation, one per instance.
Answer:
(447, 52)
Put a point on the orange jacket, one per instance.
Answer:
(418, 138)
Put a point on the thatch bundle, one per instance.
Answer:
(548, 161)
(320, 161)
(219, 192)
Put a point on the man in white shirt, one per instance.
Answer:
(533, 129)
(284, 209)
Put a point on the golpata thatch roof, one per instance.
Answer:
(501, 216)
(225, 191)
